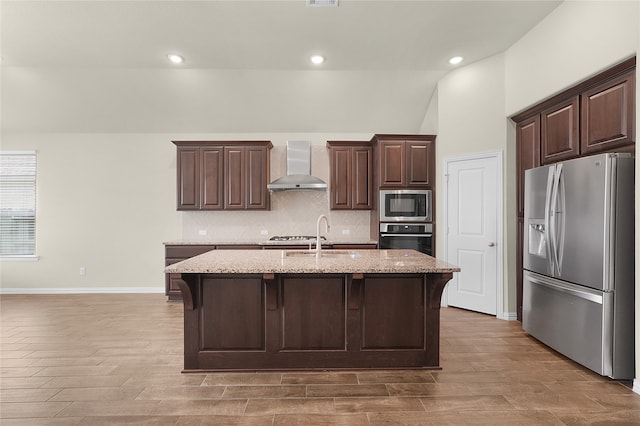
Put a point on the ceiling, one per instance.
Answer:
(101, 66)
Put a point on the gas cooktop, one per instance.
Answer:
(295, 238)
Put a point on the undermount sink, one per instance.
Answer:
(323, 253)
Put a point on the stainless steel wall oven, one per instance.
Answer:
(415, 236)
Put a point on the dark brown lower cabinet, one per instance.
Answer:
(240, 304)
(311, 321)
(401, 300)
(174, 253)
(313, 313)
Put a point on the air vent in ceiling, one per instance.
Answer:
(322, 3)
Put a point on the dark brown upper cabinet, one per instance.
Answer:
(214, 175)
(188, 191)
(199, 178)
(351, 175)
(406, 162)
(246, 177)
(561, 131)
(608, 119)
(527, 153)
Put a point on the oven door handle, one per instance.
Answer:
(405, 235)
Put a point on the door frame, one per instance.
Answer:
(498, 156)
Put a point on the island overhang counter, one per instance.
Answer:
(294, 310)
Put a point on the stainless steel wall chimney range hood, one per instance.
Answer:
(298, 170)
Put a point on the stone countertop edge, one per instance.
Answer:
(277, 261)
(264, 243)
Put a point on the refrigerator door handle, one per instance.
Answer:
(547, 211)
(555, 218)
(593, 296)
(560, 210)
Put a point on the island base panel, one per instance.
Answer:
(311, 322)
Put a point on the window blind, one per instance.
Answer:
(17, 203)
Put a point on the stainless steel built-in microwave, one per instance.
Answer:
(405, 205)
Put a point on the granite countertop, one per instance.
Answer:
(304, 261)
(266, 242)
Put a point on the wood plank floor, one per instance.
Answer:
(117, 359)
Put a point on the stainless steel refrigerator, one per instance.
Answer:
(578, 287)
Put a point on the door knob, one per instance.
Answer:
(492, 244)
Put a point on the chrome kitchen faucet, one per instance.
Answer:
(318, 239)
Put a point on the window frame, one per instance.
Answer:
(30, 188)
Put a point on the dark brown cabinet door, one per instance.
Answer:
(560, 131)
(212, 179)
(246, 177)
(528, 153)
(341, 175)
(362, 177)
(313, 313)
(234, 178)
(235, 318)
(608, 115)
(351, 175)
(420, 170)
(188, 178)
(407, 163)
(257, 172)
(392, 164)
(398, 304)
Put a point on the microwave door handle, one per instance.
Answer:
(547, 209)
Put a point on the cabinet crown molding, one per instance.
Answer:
(268, 144)
(610, 73)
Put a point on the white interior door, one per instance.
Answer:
(472, 234)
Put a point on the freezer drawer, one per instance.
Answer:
(575, 321)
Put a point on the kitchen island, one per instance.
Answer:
(292, 310)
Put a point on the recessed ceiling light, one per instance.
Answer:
(176, 59)
(455, 60)
(317, 59)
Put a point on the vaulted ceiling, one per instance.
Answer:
(101, 66)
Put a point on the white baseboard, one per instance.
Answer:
(508, 316)
(636, 386)
(82, 290)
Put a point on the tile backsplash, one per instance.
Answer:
(292, 213)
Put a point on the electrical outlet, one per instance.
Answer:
(202, 232)
(264, 232)
(83, 271)
(345, 232)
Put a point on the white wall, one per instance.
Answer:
(104, 202)
(471, 120)
(430, 122)
(577, 40)
(107, 202)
